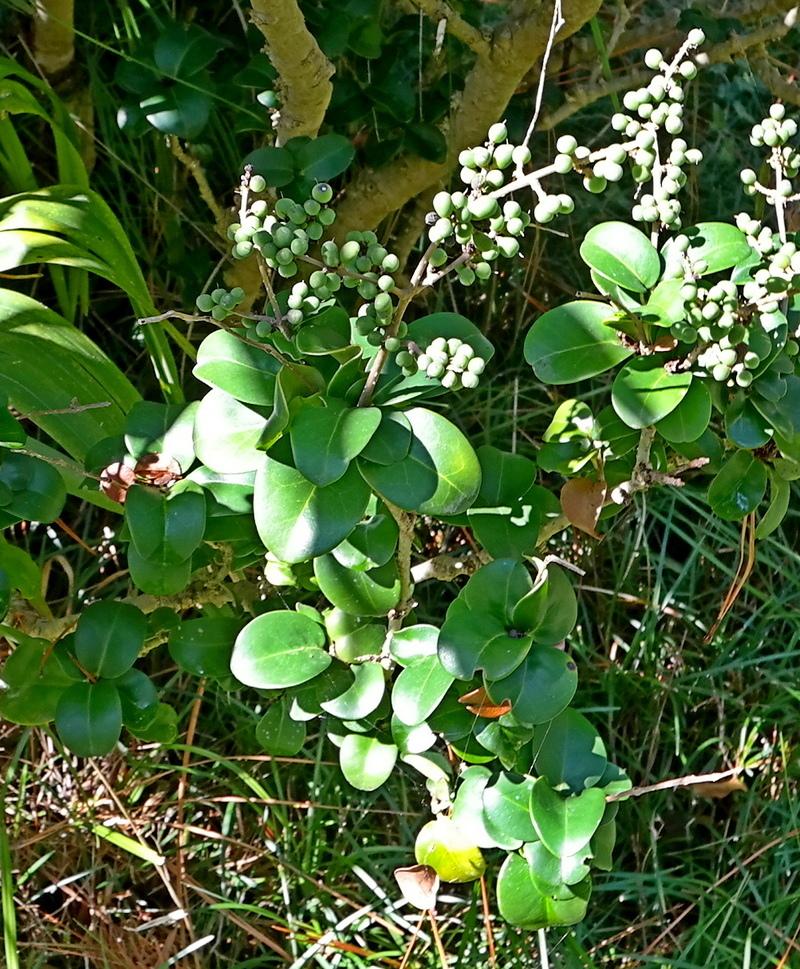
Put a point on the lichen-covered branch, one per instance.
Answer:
(494, 78)
(304, 71)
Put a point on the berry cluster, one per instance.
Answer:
(220, 303)
(286, 235)
(452, 362)
(473, 218)
(775, 130)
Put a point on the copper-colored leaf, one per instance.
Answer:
(582, 501)
(479, 703)
(115, 481)
(419, 885)
(665, 343)
(157, 469)
(719, 788)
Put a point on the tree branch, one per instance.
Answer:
(303, 69)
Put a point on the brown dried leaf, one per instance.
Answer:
(480, 704)
(582, 501)
(719, 789)
(157, 469)
(419, 885)
(115, 481)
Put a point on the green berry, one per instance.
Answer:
(469, 380)
(498, 133)
(521, 155)
(653, 59)
(242, 250)
(257, 183)
(443, 204)
(566, 144)
(205, 303)
(322, 193)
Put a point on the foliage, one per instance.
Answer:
(321, 443)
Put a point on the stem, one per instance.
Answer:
(406, 520)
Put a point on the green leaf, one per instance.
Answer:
(540, 687)
(323, 158)
(161, 728)
(279, 649)
(182, 50)
(555, 875)
(557, 618)
(470, 641)
(204, 646)
(644, 392)
(780, 492)
(568, 751)
(506, 812)
(165, 528)
(366, 762)
(665, 306)
(495, 588)
(565, 825)
(690, 418)
(161, 428)
(440, 475)
(521, 904)
(156, 578)
(278, 733)
(370, 545)
(573, 342)
(275, 164)
(180, 110)
(38, 489)
(138, 697)
(391, 441)
(371, 593)
(744, 425)
(226, 434)
(623, 254)
(508, 511)
(89, 718)
(362, 697)
(326, 331)
(326, 439)
(22, 572)
(241, 370)
(468, 808)
(109, 637)
(419, 689)
(408, 645)
(719, 244)
(298, 520)
(738, 487)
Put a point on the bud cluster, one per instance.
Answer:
(452, 362)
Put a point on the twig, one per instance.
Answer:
(438, 10)
(677, 782)
(195, 169)
(556, 25)
(74, 408)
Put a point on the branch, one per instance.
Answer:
(438, 10)
(303, 69)
(515, 47)
(53, 35)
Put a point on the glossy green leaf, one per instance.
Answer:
(573, 342)
(744, 425)
(181, 50)
(470, 641)
(366, 762)
(363, 696)
(449, 850)
(468, 808)
(665, 306)
(326, 439)
(138, 697)
(298, 520)
(540, 687)
(690, 418)
(554, 875)
(412, 740)
(21, 570)
(568, 751)
(38, 489)
(156, 578)
(89, 718)
(275, 164)
(440, 475)
(161, 428)
(178, 110)
(623, 254)
(391, 441)
(109, 637)
(556, 620)
(419, 689)
(413, 643)
(738, 487)
(508, 511)
(506, 812)
(495, 587)
(320, 159)
(371, 593)
(780, 493)
(521, 904)
(226, 434)
(644, 392)
(241, 370)
(204, 646)
(325, 331)
(279, 649)
(719, 244)
(332, 682)
(278, 733)
(370, 544)
(565, 825)
(160, 728)
(165, 528)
